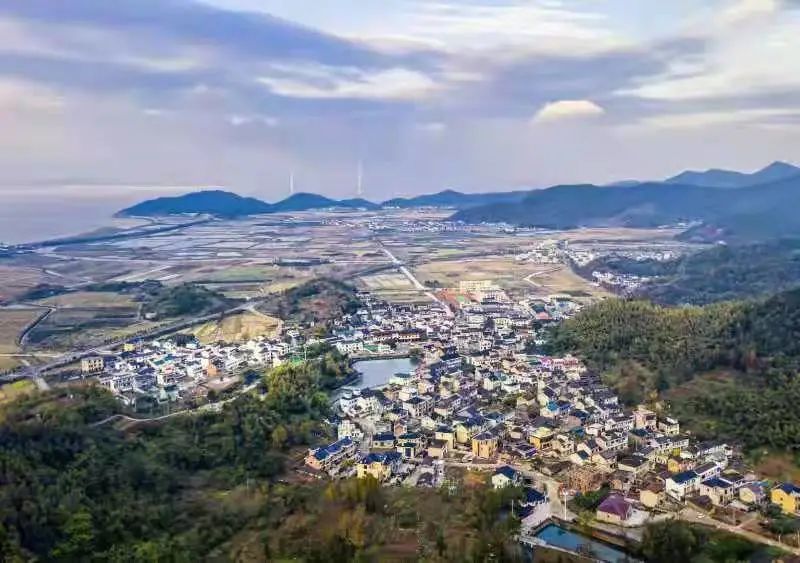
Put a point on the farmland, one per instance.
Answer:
(237, 328)
(507, 273)
(12, 323)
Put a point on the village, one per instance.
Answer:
(480, 396)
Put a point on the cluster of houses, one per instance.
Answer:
(169, 368)
(494, 402)
(487, 320)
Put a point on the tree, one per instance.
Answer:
(669, 542)
(279, 437)
(78, 537)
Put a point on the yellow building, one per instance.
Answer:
(378, 465)
(652, 494)
(446, 435)
(484, 445)
(438, 449)
(93, 364)
(129, 347)
(677, 464)
(787, 496)
(463, 433)
(542, 438)
(470, 286)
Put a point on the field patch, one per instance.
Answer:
(386, 281)
(16, 280)
(237, 328)
(89, 299)
(11, 391)
(507, 273)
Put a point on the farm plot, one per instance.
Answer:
(12, 323)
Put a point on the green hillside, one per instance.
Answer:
(644, 349)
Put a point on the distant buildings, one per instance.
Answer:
(92, 364)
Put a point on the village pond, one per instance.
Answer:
(558, 537)
(377, 373)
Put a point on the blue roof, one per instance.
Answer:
(383, 437)
(322, 453)
(379, 457)
(684, 476)
(532, 496)
(789, 488)
(717, 482)
(509, 472)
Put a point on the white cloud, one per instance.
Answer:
(324, 82)
(747, 53)
(239, 120)
(567, 109)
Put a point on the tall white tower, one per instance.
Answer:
(291, 183)
(360, 183)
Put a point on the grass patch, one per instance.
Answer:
(237, 328)
(11, 391)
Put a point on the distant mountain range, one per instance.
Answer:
(716, 178)
(228, 204)
(754, 212)
(452, 198)
(721, 204)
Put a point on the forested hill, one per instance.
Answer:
(760, 212)
(724, 273)
(176, 490)
(642, 349)
(718, 273)
(675, 343)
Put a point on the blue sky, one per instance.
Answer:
(429, 94)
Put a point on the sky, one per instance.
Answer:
(100, 99)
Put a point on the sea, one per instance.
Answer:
(36, 214)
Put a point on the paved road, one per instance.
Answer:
(537, 274)
(414, 281)
(691, 515)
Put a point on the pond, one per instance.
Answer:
(557, 536)
(377, 373)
